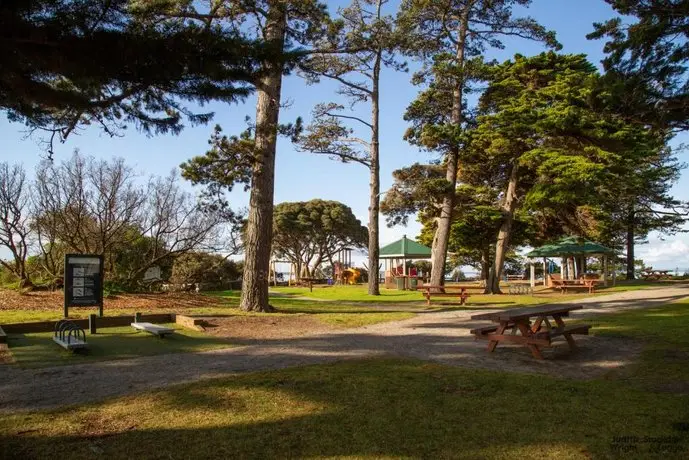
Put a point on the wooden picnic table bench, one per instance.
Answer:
(458, 291)
(160, 331)
(308, 282)
(566, 285)
(534, 335)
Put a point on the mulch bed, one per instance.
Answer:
(47, 301)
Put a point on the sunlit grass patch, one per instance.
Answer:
(361, 409)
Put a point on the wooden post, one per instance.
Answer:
(533, 274)
(137, 317)
(92, 323)
(574, 267)
(563, 269)
(614, 274)
(545, 272)
(605, 270)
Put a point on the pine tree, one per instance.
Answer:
(364, 43)
(250, 158)
(648, 59)
(449, 35)
(110, 63)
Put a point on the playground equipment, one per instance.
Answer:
(69, 336)
(346, 275)
(351, 275)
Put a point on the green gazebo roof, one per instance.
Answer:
(570, 246)
(405, 248)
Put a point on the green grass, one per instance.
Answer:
(355, 293)
(358, 295)
(665, 332)
(39, 350)
(362, 409)
(635, 285)
(388, 408)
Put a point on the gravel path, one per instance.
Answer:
(441, 336)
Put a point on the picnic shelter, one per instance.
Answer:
(572, 250)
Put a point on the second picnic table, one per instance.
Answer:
(459, 291)
(532, 335)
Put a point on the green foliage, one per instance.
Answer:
(199, 267)
(647, 60)
(418, 188)
(69, 63)
(312, 232)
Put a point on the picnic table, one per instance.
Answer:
(565, 285)
(308, 282)
(522, 331)
(459, 291)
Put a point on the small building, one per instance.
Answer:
(573, 252)
(395, 256)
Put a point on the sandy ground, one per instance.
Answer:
(436, 336)
(263, 327)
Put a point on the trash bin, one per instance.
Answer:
(400, 283)
(413, 283)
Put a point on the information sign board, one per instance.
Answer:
(83, 281)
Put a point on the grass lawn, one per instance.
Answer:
(358, 294)
(363, 409)
(665, 330)
(39, 350)
(385, 408)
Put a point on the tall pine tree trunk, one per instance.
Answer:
(485, 264)
(260, 221)
(493, 285)
(444, 222)
(630, 245)
(374, 206)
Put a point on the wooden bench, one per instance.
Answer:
(579, 329)
(69, 336)
(483, 330)
(151, 328)
(589, 285)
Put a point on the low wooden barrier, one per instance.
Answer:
(190, 322)
(106, 321)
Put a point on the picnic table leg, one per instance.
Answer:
(526, 332)
(427, 295)
(537, 325)
(501, 330)
(570, 340)
(462, 296)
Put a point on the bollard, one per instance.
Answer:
(92, 323)
(137, 317)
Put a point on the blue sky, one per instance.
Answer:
(301, 176)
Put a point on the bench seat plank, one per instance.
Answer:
(545, 342)
(153, 329)
(578, 329)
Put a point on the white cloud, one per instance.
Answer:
(668, 254)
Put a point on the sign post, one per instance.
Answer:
(83, 281)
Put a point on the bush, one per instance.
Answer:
(204, 268)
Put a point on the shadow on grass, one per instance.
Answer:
(39, 350)
(361, 409)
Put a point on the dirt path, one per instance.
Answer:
(438, 336)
